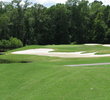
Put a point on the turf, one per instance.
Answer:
(75, 48)
(46, 78)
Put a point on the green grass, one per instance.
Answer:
(71, 48)
(75, 48)
(46, 78)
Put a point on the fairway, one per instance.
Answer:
(47, 78)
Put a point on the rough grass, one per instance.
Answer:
(46, 78)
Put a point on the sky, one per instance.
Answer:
(49, 3)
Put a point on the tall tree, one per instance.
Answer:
(59, 24)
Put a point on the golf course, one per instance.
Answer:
(54, 49)
(38, 77)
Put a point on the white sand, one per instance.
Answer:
(92, 44)
(47, 52)
(106, 45)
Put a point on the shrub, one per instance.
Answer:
(10, 44)
(5, 44)
(73, 43)
(15, 43)
(1, 46)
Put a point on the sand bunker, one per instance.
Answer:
(48, 52)
(107, 45)
(92, 44)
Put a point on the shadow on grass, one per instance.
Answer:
(6, 61)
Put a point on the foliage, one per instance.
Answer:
(76, 21)
(15, 43)
(10, 44)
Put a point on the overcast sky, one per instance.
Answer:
(51, 2)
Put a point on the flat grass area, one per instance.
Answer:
(46, 78)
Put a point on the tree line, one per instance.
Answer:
(76, 21)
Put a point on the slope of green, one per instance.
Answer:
(75, 48)
(70, 48)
